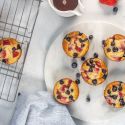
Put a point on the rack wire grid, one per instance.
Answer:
(17, 20)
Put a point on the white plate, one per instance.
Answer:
(58, 65)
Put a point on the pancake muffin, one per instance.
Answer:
(75, 44)
(114, 94)
(10, 50)
(94, 71)
(114, 47)
(66, 91)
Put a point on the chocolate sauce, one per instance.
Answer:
(65, 5)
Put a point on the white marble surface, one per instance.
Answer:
(47, 27)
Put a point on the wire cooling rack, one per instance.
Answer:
(17, 20)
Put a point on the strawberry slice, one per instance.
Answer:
(3, 53)
(78, 49)
(15, 54)
(98, 64)
(6, 42)
(108, 2)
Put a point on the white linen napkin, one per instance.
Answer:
(40, 109)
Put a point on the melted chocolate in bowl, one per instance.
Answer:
(65, 5)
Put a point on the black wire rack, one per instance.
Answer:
(17, 20)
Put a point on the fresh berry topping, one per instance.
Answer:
(58, 97)
(15, 54)
(18, 46)
(115, 49)
(90, 69)
(81, 40)
(104, 71)
(95, 55)
(104, 76)
(72, 90)
(113, 43)
(78, 75)
(108, 50)
(120, 88)
(94, 81)
(115, 9)
(88, 98)
(68, 38)
(71, 97)
(0, 49)
(67, 92)
(61, 82)
(103, 42)
(6, 42)
(83, 58)
(78, 81)
(109, 2)
(80, 34)
(74, 65)
(91, 60)
(13, 48)
(75, 55)
(114, 88)
(4, 60)
(108, 91)
(91, 37)
(114, 97)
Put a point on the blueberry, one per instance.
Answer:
(108, 91)
(81, 40)
(19, 94)
(92, 66)
(58, 97)
(61, 82)
(108, 50)
(74, 65)
(113, 43)
(77, 81)
(68, 38)
(95, 55)
(122, 103)
(80, 34)
(75, 55)
(4, 60)
(91, 60)
(72, 90)
(91, 37)
(115, 49)
(13, 48)
(104, 71)
(88, 98)
(90, 69)
(83, 58)
(68, 92)
(71, 97)
(18, 46)
(94, 81)
(114, 88)
(78, 75)
(120, 88)
(0, 49)
(114, 97)
(104, 76)
(103, 42)
(115, 9)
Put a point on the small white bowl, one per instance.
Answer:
(77, 11)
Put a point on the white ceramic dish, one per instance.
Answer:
(78, 11)
(58, 65)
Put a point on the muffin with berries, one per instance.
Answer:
(66, 91)
(75, 44)
(114, 47)
(94, 71)
(114, 94)
(10, 50)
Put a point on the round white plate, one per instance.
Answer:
(58, 66)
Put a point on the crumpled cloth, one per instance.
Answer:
(40, 109)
